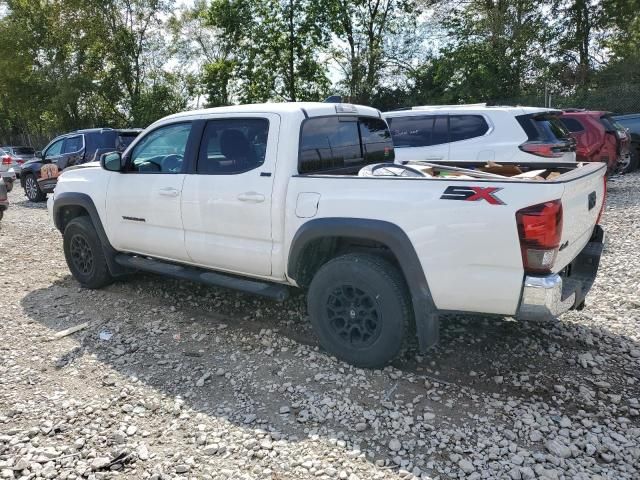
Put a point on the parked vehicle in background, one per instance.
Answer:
(478, 133)
(40, 175)
(15, 157)
(4, 200)
(266, 197)
(7, 169)
(632, 123)
(599, 138)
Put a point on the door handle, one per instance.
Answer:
(251, 197)
(432, 159)
(169, 192)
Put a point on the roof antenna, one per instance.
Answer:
(333, 99)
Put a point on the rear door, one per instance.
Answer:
(420, 137)
(226, 202)
(467, 140)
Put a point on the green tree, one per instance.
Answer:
(372, 40)
(272, 51)
(496, 49)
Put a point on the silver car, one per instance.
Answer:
(8, 168)
(14, 157)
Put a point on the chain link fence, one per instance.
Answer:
(619, 98)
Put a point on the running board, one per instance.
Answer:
(195, 274)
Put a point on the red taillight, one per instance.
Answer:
(6, 160)
(604, 200)
(548, 150)
(540, 231)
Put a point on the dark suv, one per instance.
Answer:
(39, 176)
(632, 123)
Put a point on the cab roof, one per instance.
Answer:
(308, 109)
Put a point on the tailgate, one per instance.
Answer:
(582, 200)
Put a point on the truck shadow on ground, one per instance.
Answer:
(258, 358)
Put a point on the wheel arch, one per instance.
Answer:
(69, 205)
(317, 241)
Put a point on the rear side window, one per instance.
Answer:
(331, 143)
(464, 127)
(572, 124)
(232, 146)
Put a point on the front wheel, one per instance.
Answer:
(85, 255)
(32, 189)
(360, 309)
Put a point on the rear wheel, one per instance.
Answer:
(32, 189)
(9, 186)
(635, 161)
(360, 309)
(84, 254)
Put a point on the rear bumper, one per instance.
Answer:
(544, 298)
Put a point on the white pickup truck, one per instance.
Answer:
(262, 198)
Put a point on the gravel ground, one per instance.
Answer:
(176, 380)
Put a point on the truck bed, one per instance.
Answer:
(469, 250)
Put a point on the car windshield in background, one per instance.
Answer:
(572, 124)
(125, 139)
(632, 123)
(552, 128)
(23, 151)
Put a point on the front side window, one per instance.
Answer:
(464, 127)
(54, 149)
(162, 150)
(72, 144)
(411, 131)
(232, 146)
(419, 131)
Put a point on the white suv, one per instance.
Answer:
(478, 133)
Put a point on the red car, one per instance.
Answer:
(599, 138)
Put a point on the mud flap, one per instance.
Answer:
(428, 331)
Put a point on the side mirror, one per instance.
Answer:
(111, 161)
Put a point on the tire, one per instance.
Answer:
(9, 186)
(32, 189)
(635, 161)
(374, 335)
(85, 255)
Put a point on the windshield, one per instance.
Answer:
(552, 128)
(125, 139)
(23, 151)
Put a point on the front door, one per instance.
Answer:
(72, 151)
(143, 202)
(226, 202)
